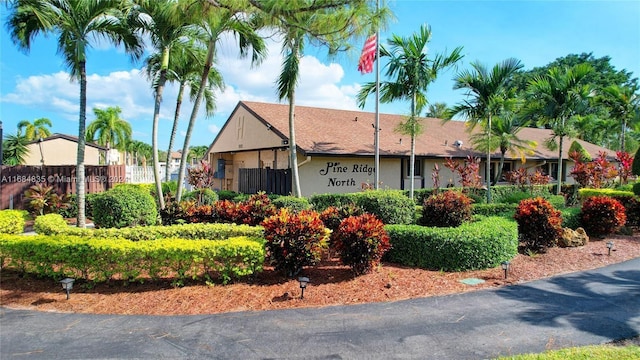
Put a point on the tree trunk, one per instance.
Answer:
(80, 184)
(412, 157)
(154, 138)
(174, 129)
(194, 115)
(499, 172)
(558, 190)
(488, 168)
(297, 192)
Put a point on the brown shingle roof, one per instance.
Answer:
(323, 131)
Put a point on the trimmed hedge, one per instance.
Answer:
(53, 224)
(292, 203)
(104, 259)
(124, 205)
(476, 245)
(588, 192)
(390, 206)
(12, 221)
(494, 209)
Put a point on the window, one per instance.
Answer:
(417, 167)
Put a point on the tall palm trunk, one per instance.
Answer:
(623, 133)
(154, 138)
(297, 192)
(500, 165)
(412, 158)
(488, 169)
(80, 184)
(174, 129)
(156, 119)
(194, 114)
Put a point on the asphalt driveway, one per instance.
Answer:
(577, 309)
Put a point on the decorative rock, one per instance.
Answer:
(573, 238)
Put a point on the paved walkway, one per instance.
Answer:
(590, 307)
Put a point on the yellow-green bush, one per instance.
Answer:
(52, 224)
(588, 192)
(12, 221)
(102, 259)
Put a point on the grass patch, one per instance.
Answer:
(600, 352)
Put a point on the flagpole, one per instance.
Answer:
(376, 165)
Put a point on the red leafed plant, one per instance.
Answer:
(447, 209)
(361, 242)
(469, 176)
(595, 173)
(251, 211)
(539, 224)
(333, 216)
(626, 161)
(602, 215)
(294, 239)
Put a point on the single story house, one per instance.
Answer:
(336, 150)
(61, 149)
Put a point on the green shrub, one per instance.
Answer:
(361, 242)
(515, 197)
(12, 221)
(50, 224)
(232, 196)
(539, 224)
(571, 217)
(587, 192)
(294, 240)
(201, 196)
(471, 246)
(390, 206)
(602, 215)
(53, 224)
(104, 259)
(146, 188)
(494, 209)
(636, 188)
(557, 201)
(584, 155)
(124, 206)
(420, 195)
(446, 209)
(323, 201)
(169, 187)
(292, 203)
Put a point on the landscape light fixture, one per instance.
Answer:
(303, 285)
(67, 285)
(505, 267)
(610, 246)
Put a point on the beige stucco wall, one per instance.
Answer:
(243, 131)
(60, 152)
(344, 175)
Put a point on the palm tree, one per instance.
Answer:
(437, 110)
(623, 102)
(412, 72)
(555, 98)
(166, 27)
(76, 23)
(108, 129)
(213, 23)
(490, 96)
(504, 131)
(185, 64)
(35, 130)
(14, 149)
(196, 153)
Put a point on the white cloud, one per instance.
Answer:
(214, 129)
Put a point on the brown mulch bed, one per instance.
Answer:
(331, 284)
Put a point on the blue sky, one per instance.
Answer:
(37, 85)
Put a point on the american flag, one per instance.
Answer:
(368, 55)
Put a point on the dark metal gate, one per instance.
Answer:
(271, 181)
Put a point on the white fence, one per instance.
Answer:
(141, 174)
